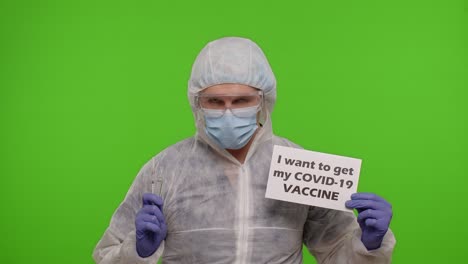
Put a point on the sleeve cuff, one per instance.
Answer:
(385, 250)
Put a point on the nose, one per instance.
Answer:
(227, 104)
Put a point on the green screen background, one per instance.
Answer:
(91, 90)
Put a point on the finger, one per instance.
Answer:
(152, 199)
(367, 204)
(368, 196)
(149, 218)
(143, 225)
(359, 210)
(153, 210)
(163, 227)
(151, 227)
(361, 223)
(369, 213)
(370, 222)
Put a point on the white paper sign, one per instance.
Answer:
(313, 178)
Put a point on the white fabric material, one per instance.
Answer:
(215, 207)
(232, 60)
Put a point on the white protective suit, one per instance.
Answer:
(215, 207)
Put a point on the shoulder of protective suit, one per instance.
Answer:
(178, 148)
(171, 155)
(281, 141)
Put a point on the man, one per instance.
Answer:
(211, 206)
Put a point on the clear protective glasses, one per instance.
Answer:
(241, 105)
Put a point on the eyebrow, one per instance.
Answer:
(229, 95)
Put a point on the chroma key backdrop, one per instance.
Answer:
(91, 90)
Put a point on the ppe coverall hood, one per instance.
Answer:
(232, 60)
(215, 207)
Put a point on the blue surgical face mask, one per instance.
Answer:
(231, 131)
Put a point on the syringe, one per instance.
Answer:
(157, 186)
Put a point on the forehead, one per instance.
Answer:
(229, 88)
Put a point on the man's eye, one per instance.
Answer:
(215, 101)
(241, 101)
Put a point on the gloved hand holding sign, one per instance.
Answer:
(374, 216)
(151, 227)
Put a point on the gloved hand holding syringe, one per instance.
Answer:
(151, 228)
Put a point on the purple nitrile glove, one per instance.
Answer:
(374, 216)
(150, 225)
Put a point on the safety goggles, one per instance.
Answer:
(240, 105)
